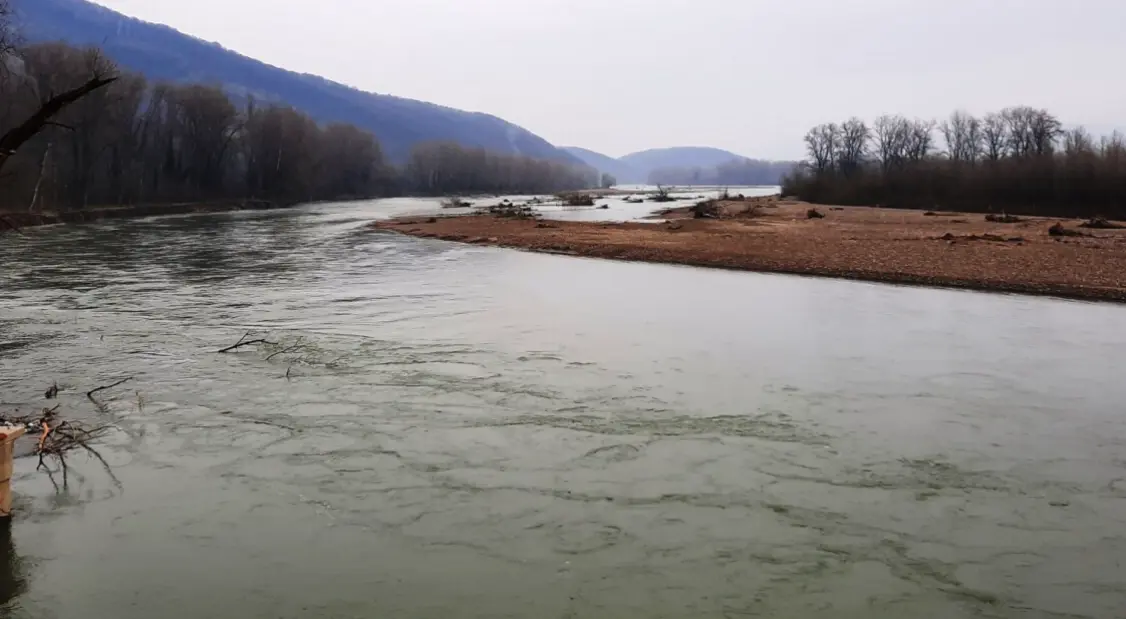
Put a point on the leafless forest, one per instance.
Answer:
(78, 132)
(1019, 160)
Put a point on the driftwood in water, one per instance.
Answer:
(245, 342)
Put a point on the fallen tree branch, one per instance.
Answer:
(43, 437)
(56, 440)
(16, 137)
(90, 394)
(261, 422)
(245, 342)
(66, 437)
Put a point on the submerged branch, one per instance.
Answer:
(245, 342)
(90, 394)
(283, 351)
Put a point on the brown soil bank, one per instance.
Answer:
(10, 221)
(949, 249)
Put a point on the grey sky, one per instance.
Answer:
(747, 75)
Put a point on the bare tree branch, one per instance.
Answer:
(245, 342)
(283, 351)
(90, 394)
(11, 141)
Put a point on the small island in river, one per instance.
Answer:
(1032, 255)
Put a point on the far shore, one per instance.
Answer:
(15, 220)
(960, 250)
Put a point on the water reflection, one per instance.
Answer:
(13, 580)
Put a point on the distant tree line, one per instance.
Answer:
(130, 141)
(1019, 160)
(734, 172)
(444, 168)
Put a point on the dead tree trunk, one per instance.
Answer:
(39, 180)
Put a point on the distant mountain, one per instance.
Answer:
(161, 53)
(686, 165)
(620, 170)
(678, 157)
(733, 172)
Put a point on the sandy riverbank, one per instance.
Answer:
(14, 220)
(949, 249)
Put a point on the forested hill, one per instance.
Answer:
(161, 53)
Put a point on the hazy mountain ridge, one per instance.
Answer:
(685, 165)
(620, 170)
(160, 52)
(679, 157)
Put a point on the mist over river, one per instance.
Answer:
(477, 432)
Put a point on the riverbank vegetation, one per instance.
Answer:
(123, 140)
(1020, 160)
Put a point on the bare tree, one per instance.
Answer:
(1112, 148)
(962, 134)
(994, 136)
(351, 161)
(852, 145)
(75, 132)
(920, 139)
(207, 122)
(99, 75)
(1030, 131)
(39, 177)
(1019, 122)
(1045, 129)
(445, 167)
(973, 140)
(892, 135)
(1034, 167)
(1078, 141)
(821, 143)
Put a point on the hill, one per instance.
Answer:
(161, 53)
(678, 157)
(622, 171)
(686, 165)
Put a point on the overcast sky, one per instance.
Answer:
(750, 76)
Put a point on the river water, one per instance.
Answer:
(477, 432)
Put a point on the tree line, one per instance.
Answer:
(735, 172)
(445, 168)
(78, 132)
(1019, 160)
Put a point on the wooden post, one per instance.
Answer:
(8, 436)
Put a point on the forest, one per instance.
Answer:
(77, 132)
(1018, 160)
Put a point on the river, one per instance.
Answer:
(463, 431)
